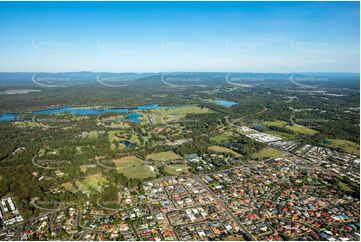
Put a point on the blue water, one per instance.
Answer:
(225, 103)
(326, 142)
(133, 117)
(149, 106)
(8, 117)
(81, 111)
(260, 127)
(126, 143)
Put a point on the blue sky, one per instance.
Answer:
(180, 36)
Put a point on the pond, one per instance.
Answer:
(133, 117)
(225, 103)
(126, 143)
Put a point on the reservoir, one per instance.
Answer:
(8, 117)
(133, 117)
(225, 103)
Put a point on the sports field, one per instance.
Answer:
(267, 153)
(220, 149)
(176, 170)
(163, 156)
(133, 167)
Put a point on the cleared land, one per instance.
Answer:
(345, 145)
(223, 137)
(173, 114)
(139, 172)
(295, 128)
(162, 156)
(116, 136)
(176, 170)
(276, 123)
(267, 153)
(91, 183)
(133, 167)
(220, 149)
(302, 129)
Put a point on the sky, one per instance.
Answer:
(180, 36)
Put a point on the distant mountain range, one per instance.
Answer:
(47, 79)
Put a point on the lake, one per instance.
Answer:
(225, 103)
(8, 117)
(149, 106)
(133, 117)
(81, 111)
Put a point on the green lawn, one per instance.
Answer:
(343, 186)
(267, 153)
(276, 123)
(345, 145)
(140, 172)
(133, 167)
(295, 128)
(220, 149)
(91, 183)
(176, 170)
(162, 156)
(302, 129)
(222, 137)
(174, 114)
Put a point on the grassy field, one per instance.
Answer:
(162, 156)
(343, 186)
(140, 172)
(116, 135)
(276, 123)
(127, 162)
(295, 128)
(267, 153)
(345, 145)
(176, 113)
(220, 149)
(234, 238)
(223, 137)
(302, 129)
(133, 167)
(91, 183)
(83, 168)
(69, 187)
(173, 170)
